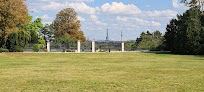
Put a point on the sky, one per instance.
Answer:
(131, 16)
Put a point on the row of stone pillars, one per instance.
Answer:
(93, 46)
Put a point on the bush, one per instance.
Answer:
(17, 41)
(35, 48)
(3, 50)
(69, 51)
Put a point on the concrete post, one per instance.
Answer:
(93, 46)
(48, 46)
(78, 46)
(123, 47)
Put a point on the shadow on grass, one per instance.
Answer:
(160, 52)
(200, 57)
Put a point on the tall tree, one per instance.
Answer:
(47, 32)
(66, 23)
(170, 35)
(13, 13)
(183, 34)
(17, 41)
(32, 28)
(202, 35)
(149, 40)
(138, 40)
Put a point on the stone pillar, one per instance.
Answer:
(78, 46)
(123, 47)
(48, 46)
(93, 46)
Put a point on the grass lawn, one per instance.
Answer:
(140, 72)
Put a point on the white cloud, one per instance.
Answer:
(64, 0)
(52, 6)
(83, 8)
(34, 10)
(79, 7)
(175, 4)
(81, 19)
(44, 17)
(156, 13)
(160, 15)
(121, 19)
(44, 23)
(120, 9)
(178, 5)
(95, 19)
(137, 21)
(155, 23)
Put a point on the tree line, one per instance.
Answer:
(17, 29)
(184, 34)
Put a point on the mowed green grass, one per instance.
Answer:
(109, 72)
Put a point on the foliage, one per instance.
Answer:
(68, 50)
(183, 35)
(17, 41)
(13, 14)
(66, 23)
(149, 40)
(130, 44)
(35, 48)
(64, 40)
(32, 28)
(3, 50)
(47, 32)
(193, 3)
(202, 35)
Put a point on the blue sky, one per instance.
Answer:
(131, 16)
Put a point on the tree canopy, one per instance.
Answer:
(33, 27)
(17, 41)
(66, 23)
(13, 14)
(194, 3)
(47, 32)
(149, 40)
(184, 35)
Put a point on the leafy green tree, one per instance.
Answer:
(66, 23)
(183, 35)
(64, 40)
(149, 40)
(202, 35)
(130, 44)
(47, 32)
(17, 41)
(32, 28)
(13, 14)
(138, 40)
(170, 36)
(36, 48)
